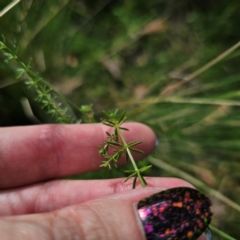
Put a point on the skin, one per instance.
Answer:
(34, 204)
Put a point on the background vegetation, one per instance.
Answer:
(145, 57)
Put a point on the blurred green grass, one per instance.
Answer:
(126, 54)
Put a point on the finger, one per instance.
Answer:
(53, 195)
(36, 153)
(107, 218)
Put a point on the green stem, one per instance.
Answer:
(130, 155)
(32, 77)
(221, 233)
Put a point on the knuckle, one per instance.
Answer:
(91, 223)
(50, 144)
(50, 136)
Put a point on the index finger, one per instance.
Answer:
(37, 153)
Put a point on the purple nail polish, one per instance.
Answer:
(175, 214)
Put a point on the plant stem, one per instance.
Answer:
(221, 233)
(130, 156)
(64, 118)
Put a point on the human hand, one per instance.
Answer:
(35, 206)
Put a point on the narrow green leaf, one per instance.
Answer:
(127, 158)
(8, 56)
(136, 150)
(108, 134)
(145, 168)
(122, 128)
(2, 45)
(114, 144)
(3, 38)
(134, 182)
(122, 116)
(52, 111)
(134, 143)
(21, 71)
(15, 49)
(115, 133)
(129, 171)
(142, 180)
(106, 164)
(23, 65)
(130, 176)
(108, 124)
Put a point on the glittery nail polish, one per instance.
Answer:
(175, 214)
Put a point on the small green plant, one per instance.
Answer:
(88, 113)
(49, 100)
(117, 143)
(46, 95)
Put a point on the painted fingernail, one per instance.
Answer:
(175, 214)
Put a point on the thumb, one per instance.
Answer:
(177, 213)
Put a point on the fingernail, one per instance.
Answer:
(176, 213)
